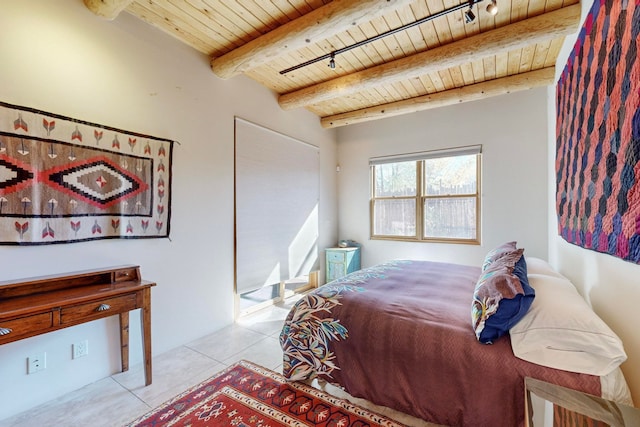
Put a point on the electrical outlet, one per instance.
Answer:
(80, 349)
(36, 362)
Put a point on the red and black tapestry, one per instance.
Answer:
(598, 133)
(65, 180)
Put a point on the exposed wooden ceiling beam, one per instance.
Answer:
(514, 36)
(515, 83)
(320, 24)
(108, 9)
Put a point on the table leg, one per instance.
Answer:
(124, 340)
(145, 321)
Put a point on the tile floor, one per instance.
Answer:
(121, 398)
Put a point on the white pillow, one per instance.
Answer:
(561, 331)
(540, 266)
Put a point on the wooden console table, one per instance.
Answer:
(39, 305)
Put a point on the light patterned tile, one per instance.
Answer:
(104, 403)
(266, 353)
(267, 322)
(223, 344)
(173, 372)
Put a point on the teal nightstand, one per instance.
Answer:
(341, 261)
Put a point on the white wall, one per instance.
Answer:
(512, 131)
(57, 56)
(609, 284)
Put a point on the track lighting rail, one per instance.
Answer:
(469, 16)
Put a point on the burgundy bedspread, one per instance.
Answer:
(399, 334)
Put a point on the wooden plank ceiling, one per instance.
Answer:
(442, 61)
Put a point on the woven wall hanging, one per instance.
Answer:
(598, 133)
(65, 180)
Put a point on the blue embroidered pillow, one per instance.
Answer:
(501, 298)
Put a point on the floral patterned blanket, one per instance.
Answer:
(399, 334)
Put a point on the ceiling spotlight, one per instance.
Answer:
(332, 61)
(492, 8)
(469, 16)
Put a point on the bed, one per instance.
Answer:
(400, 334)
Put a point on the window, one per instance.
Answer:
(432, 196)
(276, 214)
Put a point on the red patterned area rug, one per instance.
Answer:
(246, 395)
